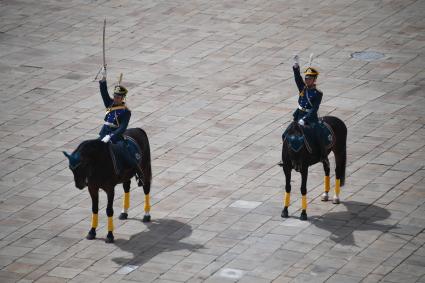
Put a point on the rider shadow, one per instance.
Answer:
(163, 235)
(357, 217)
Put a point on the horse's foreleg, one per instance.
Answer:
(304, 175)
(110, 214)
(287, 199)
(146, 190)
(326, 182)
(94, 194)
(126, 200)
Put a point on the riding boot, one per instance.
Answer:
(139, 175)
(322, 146)
(323, 152)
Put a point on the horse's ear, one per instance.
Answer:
(66, 154)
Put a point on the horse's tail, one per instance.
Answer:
(146, 156)
(340, 147)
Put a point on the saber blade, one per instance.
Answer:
(103, 45)
(103, 50)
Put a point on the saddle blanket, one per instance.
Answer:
(308, 138)
(125, 154)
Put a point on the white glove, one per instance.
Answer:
(301, 122)
(106, 138)
(103, 73)
(296, 60)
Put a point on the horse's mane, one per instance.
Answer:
(81, 146)
(90, 148)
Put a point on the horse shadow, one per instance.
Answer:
(163, 235)
(358, 216)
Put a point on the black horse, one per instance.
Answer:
(298, 153)
(92, 165)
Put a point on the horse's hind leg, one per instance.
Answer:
(287, 199)
(126, 200)
(304, 175)
(146, 190)
(340, 160)
(335, 199)
(110, 213)
(326, 182)
(94, 194)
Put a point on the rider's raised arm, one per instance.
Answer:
(123, 124)
(107, 100)
(298, 79)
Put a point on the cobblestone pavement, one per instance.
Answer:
(211, 83)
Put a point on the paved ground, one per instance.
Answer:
(211, 83)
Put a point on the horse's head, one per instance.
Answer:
(78, 167)
(295, 137)
(81, 161)
(293, 146)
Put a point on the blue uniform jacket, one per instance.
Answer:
(309, 99)
(117, 116)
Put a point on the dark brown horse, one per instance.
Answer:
(299, 154)
(93, 166)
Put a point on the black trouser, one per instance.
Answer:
(320, 140)
(130, 160)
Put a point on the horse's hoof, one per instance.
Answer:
(325, 197)
(123, 216)
(335, 200)
(303, 215)
(91, 235)
(284, 213)
(109, 238)
(146, 218)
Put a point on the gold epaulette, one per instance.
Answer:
(108, 110)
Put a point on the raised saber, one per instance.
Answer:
(103, 42)
(103, 49)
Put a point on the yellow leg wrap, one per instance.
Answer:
(147, 203)
(287, 199)
(94, 220)
(337, 187)
(110, 224)
(327, 182)
(126, 201)
(304, 202)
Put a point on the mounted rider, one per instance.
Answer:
(116, 122)
(309, 100)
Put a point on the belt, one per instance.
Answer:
(304, 109)
(112, 125)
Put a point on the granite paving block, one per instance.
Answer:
(212, 85)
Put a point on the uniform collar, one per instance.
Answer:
(120, 104)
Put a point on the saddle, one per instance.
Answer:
(308, 136)
(125, 154)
